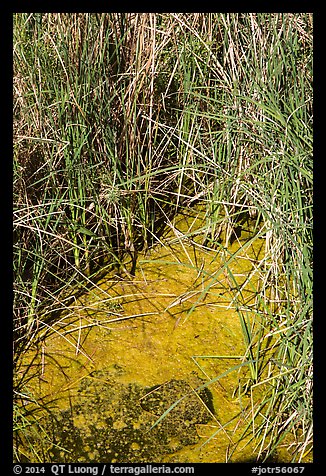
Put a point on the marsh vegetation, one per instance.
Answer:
(123, 123)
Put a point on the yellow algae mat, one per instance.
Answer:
(147, 368)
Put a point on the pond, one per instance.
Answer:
(124, 375)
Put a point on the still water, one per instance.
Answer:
(124, 375)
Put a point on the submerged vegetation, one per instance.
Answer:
(124, 122)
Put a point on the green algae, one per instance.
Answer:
(177, 320)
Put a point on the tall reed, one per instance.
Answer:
(255, 152)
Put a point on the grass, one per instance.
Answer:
(122, 121)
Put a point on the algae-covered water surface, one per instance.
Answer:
(146, 368)
(162, 237)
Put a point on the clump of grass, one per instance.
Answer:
(84, 156)
(123, 120)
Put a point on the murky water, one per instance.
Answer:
(130, 348)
